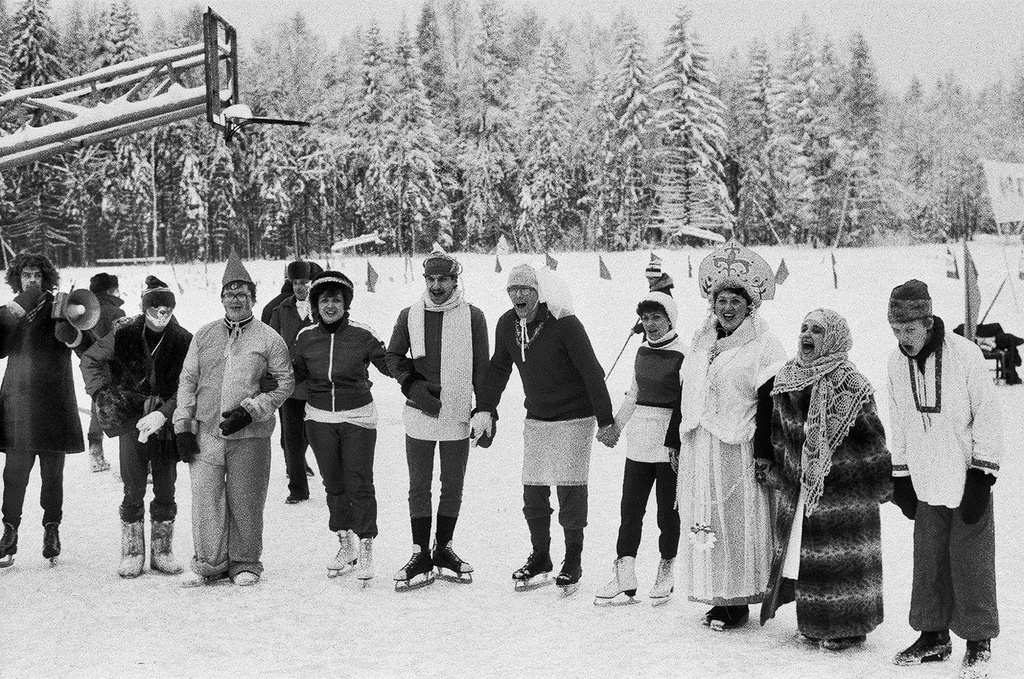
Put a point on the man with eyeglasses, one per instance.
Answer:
(223, 423)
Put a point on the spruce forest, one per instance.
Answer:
(480, 119)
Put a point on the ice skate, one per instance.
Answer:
(8, 545)
(417, 572)
(161, 556)
(344, 562)
(664, 582)
(133, 550)
(976, 660)
(364, 562)
(568, 579)
(622, 588)
(51, 542)
(929, 647)
(97, 462)
(536, 572)
(450, 567)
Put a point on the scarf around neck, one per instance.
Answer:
(456, 351)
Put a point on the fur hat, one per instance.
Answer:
(329, 280)
(441, 264)
(910, 301)
(659, 301)
(523, 276)
(102, 282)
(235, 272)
(300, 270)
(157, 294)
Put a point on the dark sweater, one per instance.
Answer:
(334, 365)
(562, 379)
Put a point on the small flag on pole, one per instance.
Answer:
(835, 276)
(689, 267)
(602, 270)
(782, 274)
(497, 264)
(371, 277)
(972, 295)
(952, 270)
(550, 261)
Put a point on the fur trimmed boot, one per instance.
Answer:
(133, 550)
(161, 557)
(97, 462)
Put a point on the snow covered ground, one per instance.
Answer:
(81, 620)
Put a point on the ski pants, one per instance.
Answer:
(17, 469)
(294, 443)
(637, 480)
(95, 430)
(954, 574)
(454, 456)
(134, 470)
(344, 453)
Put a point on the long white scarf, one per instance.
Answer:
(456, 352)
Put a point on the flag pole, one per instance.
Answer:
(616, 362)
(994, 300)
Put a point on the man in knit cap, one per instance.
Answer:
(132, 375)
(223, 423)
(946, 443)
(438, 353)
(566, 400)
(107, 290)
(290, 316)
(657, 281)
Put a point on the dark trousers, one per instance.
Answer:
(344, 453)
(954, 574)
(637, 480)
(95, 431)
(51, 495)
(572, 505)
(294, 443)
(135, 464)
(419, 455)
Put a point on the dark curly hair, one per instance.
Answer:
(51, 279)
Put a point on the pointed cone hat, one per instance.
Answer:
(235, 271)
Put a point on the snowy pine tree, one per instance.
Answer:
(6, 75)
(35, 48)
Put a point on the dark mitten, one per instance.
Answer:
(425, 395)
(28, 298)
(904, 496)
(638, 329)
(188, 446)
(976, 495)
(235, 420)
(65, 332)
(484, 440)
(268, 383)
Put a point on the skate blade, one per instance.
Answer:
(536, 582)
(620, 599)
(417, 582)
(452, 576)
(662, 600)
(53, 561)
(338, 572)
(365, 582)
(569, 590)
(7, 561)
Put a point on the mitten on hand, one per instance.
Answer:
(28, 298)
(638, 329)
(150, 424)
(425, 395)
(65, 332)
(482, 428)
(235, 420)
(976, 495)
(268, 383)
(904, 496)
(188, 446)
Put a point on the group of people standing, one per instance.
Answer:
(768, 473)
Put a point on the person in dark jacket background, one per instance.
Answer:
(107, 290)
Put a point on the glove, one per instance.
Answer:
(65, 332)
(425, 395)
(482, 428)
(608, 435)
(150, 424)
(28, 298)
(268, 383)
(904, 496)
(638, 329)
(188, 446)
(235, 420)
(976, 495)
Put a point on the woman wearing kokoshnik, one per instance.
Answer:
(726, 548)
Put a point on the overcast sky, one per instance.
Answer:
(976, 39)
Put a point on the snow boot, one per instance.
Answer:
(622, 588)
(133, 549)
(536, 572)
(929, 647)
(245, 579)
(664, 582)
(975, 664)
(348, 553)
(51, 542)
(364, 562)
(192, 579)
(842, 643)
(417, 572)
(449, 566)
(722, 618)
(8, 545)
(568, 579)
(161, 557)
(97, 462)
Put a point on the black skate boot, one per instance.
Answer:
(51, 542)
(536, 572)
(568, 579)
(449, 566)
(929, 647)
(417, 572)
(8, 545)
(975, 664)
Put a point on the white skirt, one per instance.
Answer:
(557, 453)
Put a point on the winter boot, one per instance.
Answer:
(449, 566)
(721, 618)
(417, 572)
(842, 643)
(535, 572)
(568, 579)
(622, 588)
(97, 462)
(8, 545)
(192, 579)
(975, 664)
(133, 550)
(929, 647)
(51, 542)
(364, 562)
(348, 553)
(664, 582)
(161, 557)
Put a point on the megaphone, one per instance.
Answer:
(79, 307)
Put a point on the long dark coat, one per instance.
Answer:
(839, 588)
(38, 408)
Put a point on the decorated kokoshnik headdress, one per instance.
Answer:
(734, 266)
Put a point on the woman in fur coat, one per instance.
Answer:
(828, 461)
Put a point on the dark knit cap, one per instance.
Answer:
(329, 281)
(157, 294)
(441, 264)
(102, 282)
(909, 302)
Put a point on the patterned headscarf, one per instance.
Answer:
(838, 393)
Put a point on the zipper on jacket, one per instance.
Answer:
(330, 371)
